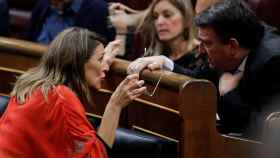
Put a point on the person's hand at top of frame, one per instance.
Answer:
(113, 7)
(122, 16)
(152, 63)
(120, 20)
(110, 52)
(129, 89)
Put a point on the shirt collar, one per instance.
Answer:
(241, 67)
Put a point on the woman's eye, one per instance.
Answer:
(167, 15)
(100, 58)
(155, 16)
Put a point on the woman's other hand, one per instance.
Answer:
(119, 6)
(122, 16)
(110, 52)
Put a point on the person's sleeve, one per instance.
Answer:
(185, 71)
(269, 85)
(93, 15)
(237, 110)
(80, 131)
(4, 16)
(200, 72)
(37, 19)
(108, 149)
(234, 112)
(270, 78)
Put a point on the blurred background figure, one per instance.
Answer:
(49, 17)
(127, 20)
(4, 18)
(203, 4)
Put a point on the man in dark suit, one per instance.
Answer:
(49, 17)
(248, 55)
(4, 18)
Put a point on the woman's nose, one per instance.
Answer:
(103, 74)
(105, 67)
(160, 20)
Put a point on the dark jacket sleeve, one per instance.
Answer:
(234, 112)
(201, 72)
(38, 16)
(249, 105)
(93, 15)
(4, 18)
(185, 71)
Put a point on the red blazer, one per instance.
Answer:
(57, 128)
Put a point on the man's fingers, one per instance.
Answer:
(154, 66)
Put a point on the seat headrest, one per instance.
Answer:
(130, 143)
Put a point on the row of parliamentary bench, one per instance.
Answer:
(178, 121)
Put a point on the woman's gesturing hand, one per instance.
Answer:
(113, 7)
(129, 89)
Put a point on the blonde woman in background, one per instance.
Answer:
(169, 28)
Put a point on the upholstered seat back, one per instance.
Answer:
(3, 103)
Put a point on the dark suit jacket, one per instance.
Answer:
(92, 15)
(258, 92)
(4, 18)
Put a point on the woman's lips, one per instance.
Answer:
(163, 31)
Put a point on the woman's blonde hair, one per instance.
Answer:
(62, 64)
(147, 28)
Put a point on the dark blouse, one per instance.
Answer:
(196, 65)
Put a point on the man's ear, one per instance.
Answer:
(234, 46)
